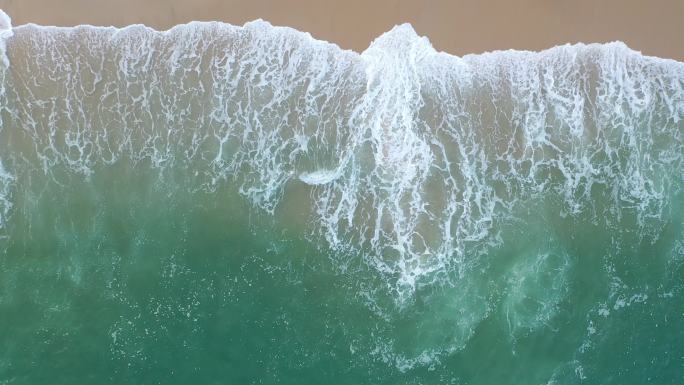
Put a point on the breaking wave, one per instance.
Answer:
(412, 162)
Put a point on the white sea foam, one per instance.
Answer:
(5, 23)
(319, 176)
(5, 33)
(413, 156)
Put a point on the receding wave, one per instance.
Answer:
(463, 196)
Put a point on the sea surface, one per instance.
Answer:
(216, 204)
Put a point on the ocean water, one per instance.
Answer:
(216, 204)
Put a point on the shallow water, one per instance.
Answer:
(220, 204)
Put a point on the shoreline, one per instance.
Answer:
(336, 45)
(468, 27)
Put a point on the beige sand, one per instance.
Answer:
(654, 27)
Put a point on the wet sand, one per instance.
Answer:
(458, 27)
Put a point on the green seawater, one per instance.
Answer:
(191, 207)
(116, 279)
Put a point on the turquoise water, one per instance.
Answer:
(247, 205)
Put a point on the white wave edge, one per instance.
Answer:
(264, 23)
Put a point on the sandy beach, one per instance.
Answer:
(457, 27)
